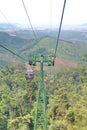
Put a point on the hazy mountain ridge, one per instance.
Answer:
(43, 27)
(72, 46)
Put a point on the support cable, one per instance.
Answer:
(13, 53)
(29, 20)
(59, 30)
(8, 22)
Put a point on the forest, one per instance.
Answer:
(65, 75)
(66, 99)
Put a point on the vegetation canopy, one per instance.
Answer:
(66, 99)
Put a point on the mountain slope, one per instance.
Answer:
(72, 50)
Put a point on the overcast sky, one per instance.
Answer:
(44, 11)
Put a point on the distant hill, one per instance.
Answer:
(72, 44)
(79, 27)
(5, 25)
(13, 41)
(10, 26)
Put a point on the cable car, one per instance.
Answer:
(29, 74)
(52, 82)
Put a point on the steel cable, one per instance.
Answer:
(59, 30)
(29, 20)
(13, 52)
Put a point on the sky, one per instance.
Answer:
(44, 12)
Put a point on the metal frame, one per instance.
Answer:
(40, 121)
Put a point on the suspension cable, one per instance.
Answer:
(29, 20)
(8, 22)
(13, 53)
(59, 30)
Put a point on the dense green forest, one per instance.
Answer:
(66, 99)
